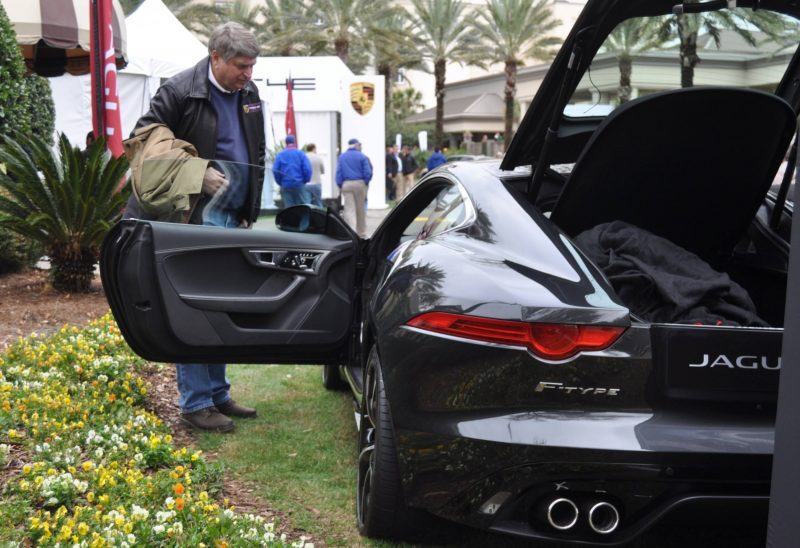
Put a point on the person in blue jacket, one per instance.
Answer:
(436, 159)
(353, 174)
(292, 171)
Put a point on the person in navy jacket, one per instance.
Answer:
(353, 174)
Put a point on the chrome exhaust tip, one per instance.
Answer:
(562, 514)
(603, 518)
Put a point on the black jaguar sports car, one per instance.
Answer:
(569, 344)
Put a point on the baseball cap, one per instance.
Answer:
(290, 139)
(353, 141)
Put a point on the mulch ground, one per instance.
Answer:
(29, 305)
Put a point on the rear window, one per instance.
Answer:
(738, 48)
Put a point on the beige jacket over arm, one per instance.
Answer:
(167, 175)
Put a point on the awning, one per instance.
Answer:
(54, 34)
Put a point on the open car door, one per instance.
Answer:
(190, 293)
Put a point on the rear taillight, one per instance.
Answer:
(547, 340)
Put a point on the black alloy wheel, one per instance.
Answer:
(380, 505)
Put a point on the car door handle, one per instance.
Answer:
(255, 304)
(298, 260)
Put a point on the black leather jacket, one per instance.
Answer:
(183, 103)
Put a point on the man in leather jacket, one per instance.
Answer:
(216, 107)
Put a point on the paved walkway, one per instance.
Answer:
(374, 218)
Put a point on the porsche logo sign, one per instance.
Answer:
(362, 97)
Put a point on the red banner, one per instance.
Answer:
(106, 119)
(291, 128)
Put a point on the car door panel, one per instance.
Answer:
(191, 293)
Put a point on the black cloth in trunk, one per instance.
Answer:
(662, 282)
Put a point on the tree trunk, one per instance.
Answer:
(625, 70)
(70, 273)
(688, 53)
(342, 48)
(439, 74)
(510, 91)
(385, 70)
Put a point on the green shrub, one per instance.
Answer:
(63, 199)
(17, 253)
(42, 109)
(14, 112)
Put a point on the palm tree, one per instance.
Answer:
(241, 12)
(628, 39)
(346, 26)
(288, 28)
(198, 17)
(444, 35)
(64, 200)
(688, 26)
(515, 30)
(394, 48)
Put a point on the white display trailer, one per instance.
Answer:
(326, 94)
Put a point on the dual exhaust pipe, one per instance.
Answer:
(563, 513)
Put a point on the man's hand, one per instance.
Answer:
(214, 182)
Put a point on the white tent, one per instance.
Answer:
(159, 46)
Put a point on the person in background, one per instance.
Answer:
(436, 159)
(89, 140)
(216, 107)
(392, 168)
(314, 186)
(292, 171)
(353, 174)
(408, 172)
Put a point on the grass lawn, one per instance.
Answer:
(300, 451)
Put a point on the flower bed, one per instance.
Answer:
(92, 467)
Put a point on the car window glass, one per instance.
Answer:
(738, 48)
(446, 211)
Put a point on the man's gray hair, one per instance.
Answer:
(232, 39)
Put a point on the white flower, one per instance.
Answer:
(178, 527)
(138, 513)
(163, 517)
(158, 529)
(131, 538)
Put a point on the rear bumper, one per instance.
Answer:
(500, 473)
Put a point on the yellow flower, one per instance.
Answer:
(83, 529)
(88, 465)
(27, 469)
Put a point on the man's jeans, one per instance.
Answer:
(314, 191)
(204, 385)
(294, 196)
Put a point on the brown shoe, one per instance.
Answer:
(233, 409)
(208, 419)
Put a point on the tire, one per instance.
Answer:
(332, 378)
(380, 504)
